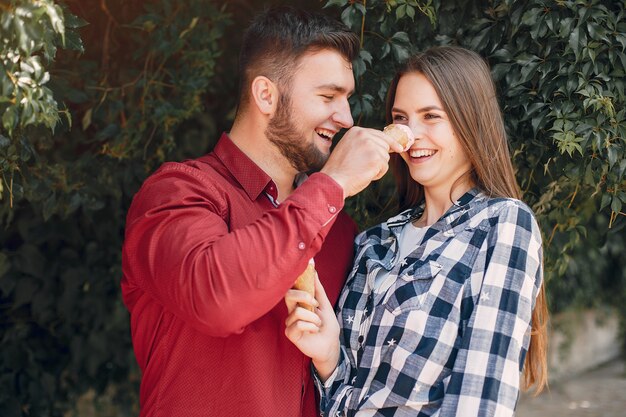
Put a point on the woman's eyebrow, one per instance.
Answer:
(429, 108)
(421, 110)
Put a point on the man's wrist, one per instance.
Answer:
(337, 179)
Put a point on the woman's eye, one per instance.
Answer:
(431, 116)
(398, 117)
(327, 97)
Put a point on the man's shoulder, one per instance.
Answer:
(202, 167)
(206, 172)
(175, 181)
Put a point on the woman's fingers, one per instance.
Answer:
(293, 297)
(297, 329)
(304, 315)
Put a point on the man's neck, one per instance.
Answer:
(263, 153)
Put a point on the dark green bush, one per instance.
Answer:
(560, 71)
(136, 96)
(154, 82)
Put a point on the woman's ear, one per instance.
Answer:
(265, 95)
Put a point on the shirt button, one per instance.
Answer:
(332, 209)
(301, 246)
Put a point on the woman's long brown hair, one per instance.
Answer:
(464, 85)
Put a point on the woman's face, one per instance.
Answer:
(436, 159)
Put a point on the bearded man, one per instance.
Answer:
(213, 244)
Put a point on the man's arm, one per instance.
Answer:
(179, 249)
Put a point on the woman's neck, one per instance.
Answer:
(439, 200)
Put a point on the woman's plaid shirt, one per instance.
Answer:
(448, 332)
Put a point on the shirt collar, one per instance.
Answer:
(249, 175)
(458, 207)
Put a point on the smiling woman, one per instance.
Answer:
(445, 300)
(436, 160)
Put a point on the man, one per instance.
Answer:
(212, 245)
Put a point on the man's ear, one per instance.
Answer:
(265, 95)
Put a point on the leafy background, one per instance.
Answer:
(97, 94)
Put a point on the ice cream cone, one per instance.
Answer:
(306, 282)
(401, 134)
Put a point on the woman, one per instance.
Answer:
(445, 302)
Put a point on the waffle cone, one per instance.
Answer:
(306, 282)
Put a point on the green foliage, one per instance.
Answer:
(138, 93)
(31, 32)
(560, 71)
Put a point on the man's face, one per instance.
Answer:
(314, 110)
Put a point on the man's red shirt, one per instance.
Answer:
(207, 260)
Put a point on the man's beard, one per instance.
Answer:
(284, 134)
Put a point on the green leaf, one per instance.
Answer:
(574, 42)
(499, 71)
(351, 17)
(4, 141)
(565, 27)
(400, 38)
(410, 12)
(616, 205)
(86, 120)
(400, 52)
(336, 3)
(10, 118)
(73, 42)
(401, 11)
(385, 50)
(622, 58)
(530, 17)
(365, 56)
(49, 207)
(622, 169)
(612, 155)
(538, 122)
(606, 200)
(73, 21)
(55, 14)
(358, 67)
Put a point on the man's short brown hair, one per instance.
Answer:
(279, 36)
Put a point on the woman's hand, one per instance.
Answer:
(316, 334)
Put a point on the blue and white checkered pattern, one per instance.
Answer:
(449, 336)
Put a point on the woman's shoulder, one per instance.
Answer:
(487, 212)
(503, 206)
(496, 206)
(510, 213)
